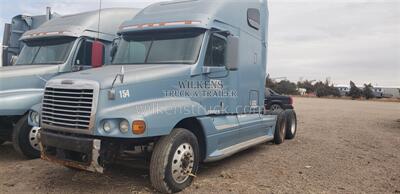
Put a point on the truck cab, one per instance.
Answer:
(186, 85)
(62, 45)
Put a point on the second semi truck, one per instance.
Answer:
(61, 45)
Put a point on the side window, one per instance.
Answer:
(253, 18)
(216, 52)
(84, 56)
(137, 52)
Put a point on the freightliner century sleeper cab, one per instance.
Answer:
(186, 85)
(61, 45)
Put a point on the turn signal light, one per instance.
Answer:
(138, 127)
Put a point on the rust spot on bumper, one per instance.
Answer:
(93, 166)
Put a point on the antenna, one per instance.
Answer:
(98, 22)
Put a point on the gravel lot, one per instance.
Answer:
(342, 146)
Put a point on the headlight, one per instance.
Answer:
(124, 126)
(107, 126)
(35, 117)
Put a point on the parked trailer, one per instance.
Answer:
(61, 45)
(186, 85)
(13, 32)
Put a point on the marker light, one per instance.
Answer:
(138, 127)
(107, 126)
(124, 126)
(35, 117)
(161, 24)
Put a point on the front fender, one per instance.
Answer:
(160, 115)
(18, 102)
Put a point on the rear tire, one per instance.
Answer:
(174, 161)
(21, 139)
(280, 128)
(291, 124)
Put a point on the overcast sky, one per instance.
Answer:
(308, 39)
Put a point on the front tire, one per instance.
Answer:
(174, 161)
(24, 138)
(2, 141)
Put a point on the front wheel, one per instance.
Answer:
(25, 139)
(174, 161)
(2, 141)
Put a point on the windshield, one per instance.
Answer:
(45, 51)
(168, 47)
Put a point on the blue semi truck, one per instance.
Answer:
(61, 45)
(186, 85)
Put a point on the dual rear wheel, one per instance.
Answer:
(286, 126)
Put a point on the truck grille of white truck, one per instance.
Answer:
(67, 108)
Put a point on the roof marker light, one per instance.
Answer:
(177, 23)
(45, 34)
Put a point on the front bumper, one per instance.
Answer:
(71, 151)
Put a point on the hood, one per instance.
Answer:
(25, 76)
(132, 74)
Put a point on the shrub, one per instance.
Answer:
(367, 91)
(286, 87)
(354, 91)
(323, 89)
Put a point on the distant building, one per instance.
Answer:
(379, 91)
(386, 92)
(344, 90)
(302, 91)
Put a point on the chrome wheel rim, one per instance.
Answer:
(182, 163)
(293, 127)
(276, 107)
(33, 138)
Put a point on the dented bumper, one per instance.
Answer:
(71, 151)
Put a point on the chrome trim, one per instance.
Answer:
(67, 115)
(94, 165)
(226, 126)
(229, 151)
(76, 85)
(22, 90)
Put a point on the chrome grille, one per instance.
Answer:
(68, 108)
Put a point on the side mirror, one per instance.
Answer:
(114, 47)
(232, 53)
(13, 60)
(97, 54)
(113, 50)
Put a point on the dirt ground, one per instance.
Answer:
(342, 146)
